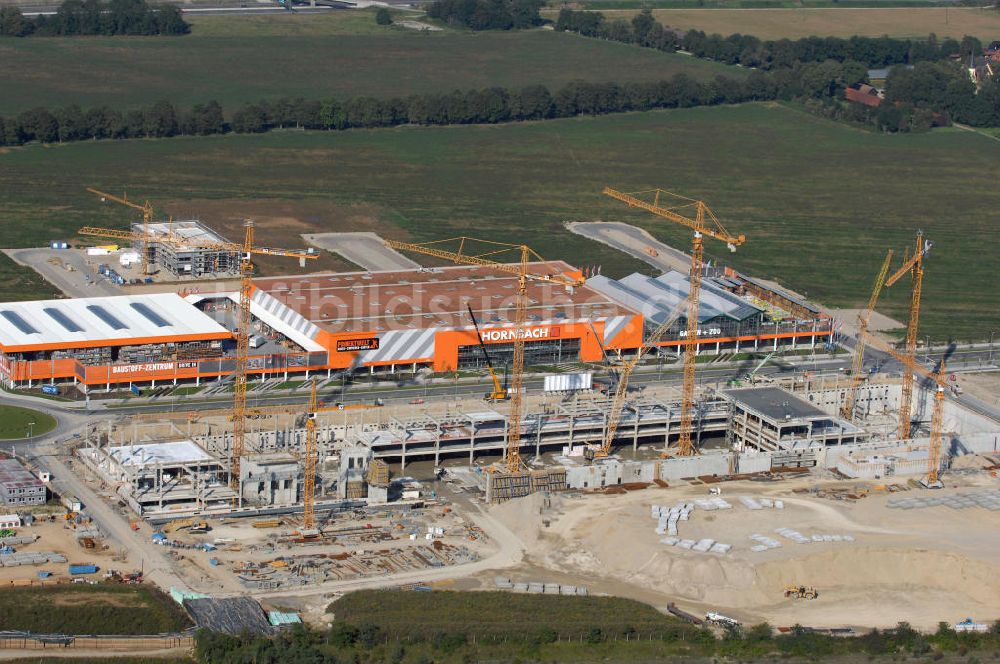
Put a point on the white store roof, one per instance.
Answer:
(116, 320)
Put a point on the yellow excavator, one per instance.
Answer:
(499, 393)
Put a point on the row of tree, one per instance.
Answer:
(914, 98)
(70, 123)
(488, 14)
(751, 51)
(95, 17)
(488, 106)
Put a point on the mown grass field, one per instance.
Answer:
(15, 421)
(819, 201)
(767, 23)
(243, 59)
(86, 609)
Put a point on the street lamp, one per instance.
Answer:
(31, 428)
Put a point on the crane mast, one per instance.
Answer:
(621, 389)
(470, 251)
(915, 267)
(309, 464)
(704, 223)
(864, 318)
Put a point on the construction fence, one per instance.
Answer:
(31, 641)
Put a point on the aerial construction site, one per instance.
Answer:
(699, 439)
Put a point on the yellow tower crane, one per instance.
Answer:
(915, 267)
(470, 251)
(246, 251)
(147, 217)
(309, 464)
(864, 318)
(621, 389)
(932, 481)
(703, 223)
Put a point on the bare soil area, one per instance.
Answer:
(921, 565)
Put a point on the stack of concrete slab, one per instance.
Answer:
(711, 504)
(667, 517)
(31, 558)
(763, 543)
(799, 538)
(17, 540)
(985, 498)
(539, 588)
(706, 545)
(761, 503)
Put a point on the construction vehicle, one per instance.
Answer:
(801, 592)
(864, 317)
(470, 251)
(704, 224)
(621, 388)
(913, 266)
(720, 619)
(932, 480)
(147, 216)
(498, 393)
(751, 377)
(191, 525)
(247, 250)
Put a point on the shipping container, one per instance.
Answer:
(83, 569)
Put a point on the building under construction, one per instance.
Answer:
(186, 249)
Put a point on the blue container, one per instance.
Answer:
(44, 575)
(83, 569)
(135, 390)
(50, 389)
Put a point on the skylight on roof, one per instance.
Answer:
(106, 317)
(64, 320)
(150, 315)
(18, 322)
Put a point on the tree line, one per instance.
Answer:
(749, 51)
(488, 14)
(94, 17)
(371, 643)
(822, 84)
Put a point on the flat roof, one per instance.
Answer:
(775, 403)
(115, 320)
(13, 475)
(433, 297)
(192, 231)
(657, 297)
(148, 454)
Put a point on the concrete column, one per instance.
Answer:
(775, 343)
(737, 345)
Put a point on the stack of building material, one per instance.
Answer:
(763, 543)
(986, 498)
(30, 558)
(667, 517)
(761, 503)
(799, 538)
(711, 504)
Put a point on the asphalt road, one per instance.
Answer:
(73, 284)
(634, 242)
(364, 249)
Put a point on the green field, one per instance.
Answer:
(819, 201)
(17, 283)
(86, 609)
(247, 59)
(406, 615)
(16, 422)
